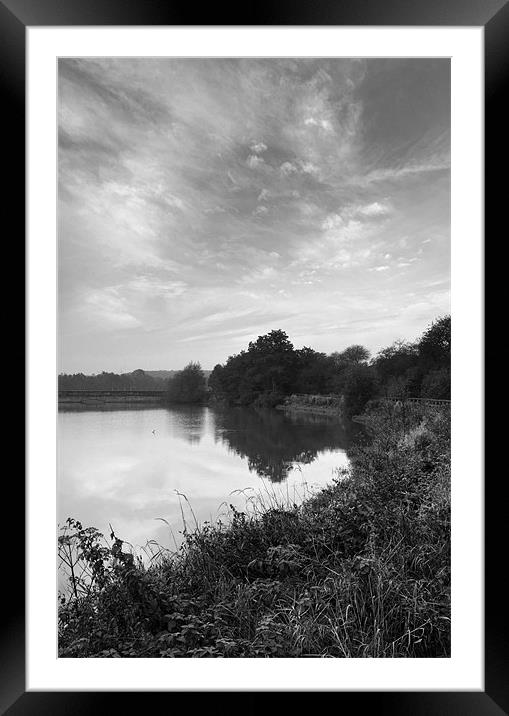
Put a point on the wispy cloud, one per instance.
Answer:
(202, 201)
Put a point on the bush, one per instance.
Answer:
(437, 384)
(268, 399)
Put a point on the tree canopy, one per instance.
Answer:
(435, 344)
(272, 368)
(188, 385)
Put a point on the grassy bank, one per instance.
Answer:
(359, 570)
(317, 404)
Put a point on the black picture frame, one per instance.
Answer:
(493, 15)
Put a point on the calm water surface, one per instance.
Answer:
(123, 466)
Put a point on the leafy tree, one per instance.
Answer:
(263, 374)
(272, 362)
(435, 345)
(314, 372)
(418, 369)
(187, 385)
(360, 386)
(437, 384)
(351, 356)
(217, 381)
(396, 359)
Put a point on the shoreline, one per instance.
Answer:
(315, 410)
(315, 404)
(107, 404)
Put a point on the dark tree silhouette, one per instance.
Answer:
(435, 345)
(360, 386)
(273, 441)
(188, 385)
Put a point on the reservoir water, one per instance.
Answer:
(125, 467)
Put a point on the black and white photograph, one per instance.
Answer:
(254, 346)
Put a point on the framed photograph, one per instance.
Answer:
(273, 211)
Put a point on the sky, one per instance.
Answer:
(205, 202)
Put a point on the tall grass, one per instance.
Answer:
(360, 569)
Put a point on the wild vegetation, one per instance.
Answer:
(361, 569)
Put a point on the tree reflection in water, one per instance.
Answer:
(188, 422)
(274, 441)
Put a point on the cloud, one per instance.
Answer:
(188, 186)
(392, 174)
(353, 214)
(154, 286)
(258, 147)
(288, 168)
(299, 167)
(324, 124)
(259, 274)
(108, 310)
(253, 161)
(333, 221)
(375, 209)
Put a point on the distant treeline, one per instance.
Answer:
(137, 380)
(271, 369)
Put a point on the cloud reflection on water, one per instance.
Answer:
(114, 469)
